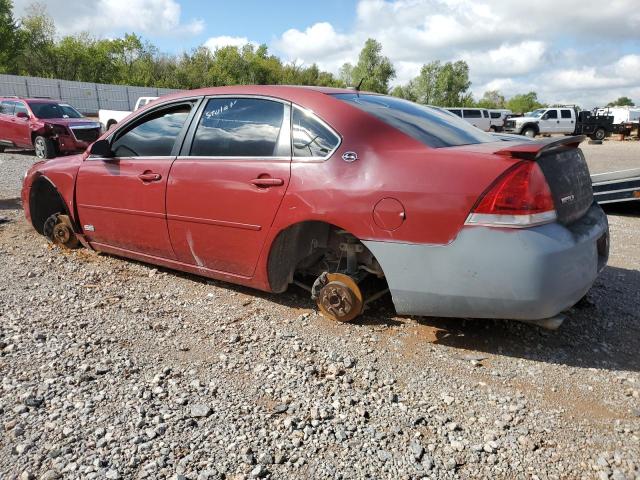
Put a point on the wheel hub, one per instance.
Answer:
(339, 298)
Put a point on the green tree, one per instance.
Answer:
(524, 102)
(441, 84)
(622, 102)
(10, 38)
(38, 32)
(373, 69)
(491, 99)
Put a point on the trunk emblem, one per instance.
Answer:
(567, 199)
(349, 157)
(89, 228)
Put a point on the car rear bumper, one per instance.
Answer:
(520, 274)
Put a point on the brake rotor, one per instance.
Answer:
(340, 298)
(63, 233)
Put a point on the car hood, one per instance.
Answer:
(525, 119)
(72, 122)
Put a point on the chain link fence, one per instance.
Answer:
(87, 97)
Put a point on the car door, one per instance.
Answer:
(22, 130)
(7, 122)
(567, 122)
(550, 122)
(227, 185)
(121, 200)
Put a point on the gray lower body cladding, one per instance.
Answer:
(520, 274)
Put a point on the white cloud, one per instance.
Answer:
(107, 17)
(559, 48)
(215, 43)
(320, 44)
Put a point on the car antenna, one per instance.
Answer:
(359, 84)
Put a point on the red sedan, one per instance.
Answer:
(267, 186)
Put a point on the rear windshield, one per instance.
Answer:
(53, 110)
(428, 125)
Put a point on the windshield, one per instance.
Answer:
(429, 125)
(53, 110)
(537, 113)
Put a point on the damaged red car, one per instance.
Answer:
(334, 190)
(49, 127)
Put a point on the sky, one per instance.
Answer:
(583, 52)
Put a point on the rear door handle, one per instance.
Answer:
(150, 177)
(267, 182)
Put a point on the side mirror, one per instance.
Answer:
(101, 148)
(545, 117)
(22, 115)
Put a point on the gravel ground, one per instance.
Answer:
(113, 369)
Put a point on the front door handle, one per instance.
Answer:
(150, 177)
(267, 182)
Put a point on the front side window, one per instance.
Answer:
(241, 127)
(472, 114)
(53, 110)
(428, 125)
(565, 113)
(456, 112)
(311, 138)
(154, 135)
(495, 115)
(21, 108)
(552, 114)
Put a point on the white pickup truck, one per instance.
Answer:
(561, 120)
(108, 118)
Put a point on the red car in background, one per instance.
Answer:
(267, 186)
(47, 126)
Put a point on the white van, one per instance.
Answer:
(478, 117)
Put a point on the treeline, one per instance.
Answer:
(30, 46)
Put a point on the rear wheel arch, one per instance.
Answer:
(45, 200)
(302, 245)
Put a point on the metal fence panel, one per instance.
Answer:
(113, 97)
(82, 95)
(85, 96)
(13, 85)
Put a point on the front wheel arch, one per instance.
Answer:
(45, 200)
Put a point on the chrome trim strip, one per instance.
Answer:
(123, 210)
(510, 221)
(218, 223)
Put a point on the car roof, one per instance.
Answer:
(33, 100)
(289, 92)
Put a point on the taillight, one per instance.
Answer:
(519, 198)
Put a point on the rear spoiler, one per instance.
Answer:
(533, 150)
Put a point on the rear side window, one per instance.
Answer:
(7, 108)
(154, 135)
(240, 127)
(565, 113)
(552, 114)
(472, 114)
(311, 138)
(430, 126)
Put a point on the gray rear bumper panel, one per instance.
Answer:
(520, 274)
